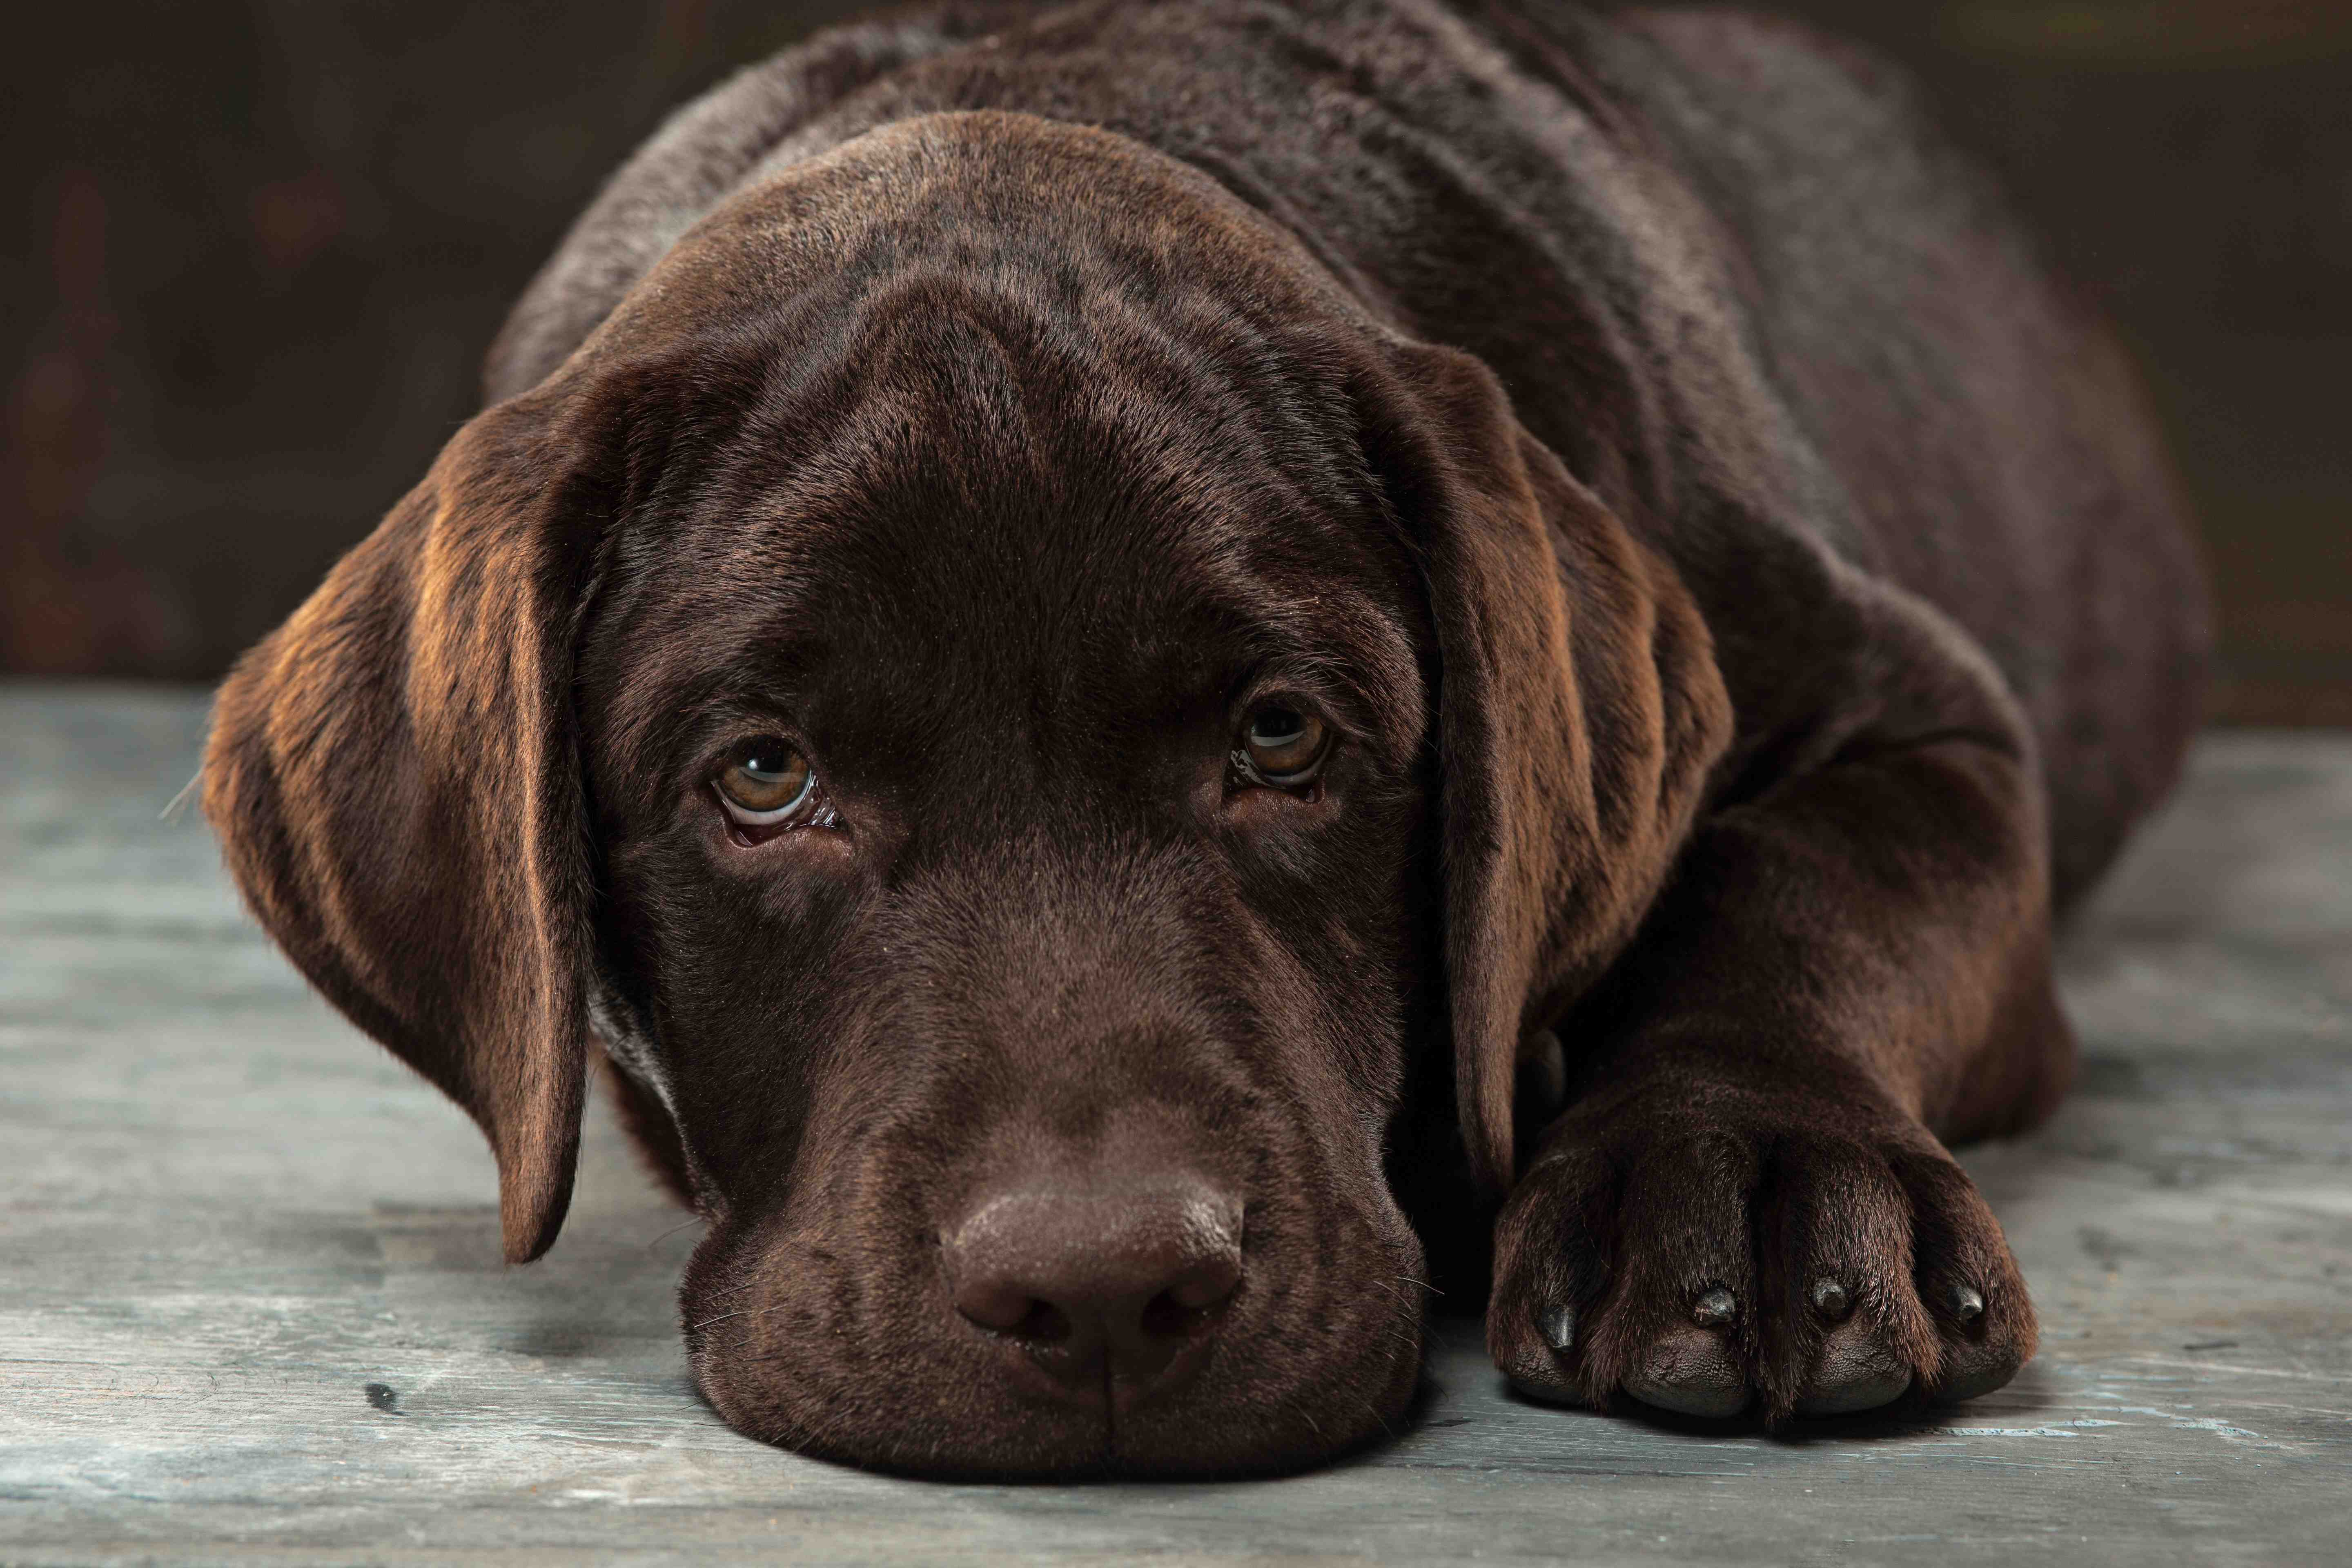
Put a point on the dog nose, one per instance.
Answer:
(1121, 1278)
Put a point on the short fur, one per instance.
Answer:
(1748, 595)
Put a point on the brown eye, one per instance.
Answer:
(765, 780)
(1284, 743)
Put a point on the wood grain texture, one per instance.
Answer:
(251, 1309)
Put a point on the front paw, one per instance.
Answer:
(1716, 1251)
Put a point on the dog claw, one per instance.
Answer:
(1967, 1305)
(1831, 1300)
(1558, 1327)
(1715, 1308)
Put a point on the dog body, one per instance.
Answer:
(1720, 600)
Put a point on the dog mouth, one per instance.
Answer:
(1108, 1368)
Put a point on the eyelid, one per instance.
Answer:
(1334, 705)
(717, 736)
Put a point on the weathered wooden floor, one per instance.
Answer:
(250, 1307)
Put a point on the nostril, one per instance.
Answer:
(1043, 1323)
(1005, 1307)
(1193, 1297)
(1016, 1312)
(1168, 1316)
(1178, 1310)
(1208, 1283)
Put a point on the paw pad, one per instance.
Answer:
(1857, 1371)
(1691, 1372)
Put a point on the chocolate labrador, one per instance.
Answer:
(1148, 670)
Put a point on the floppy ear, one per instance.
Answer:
(1579, 712)
(393, 777)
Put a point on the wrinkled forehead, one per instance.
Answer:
(988, 514)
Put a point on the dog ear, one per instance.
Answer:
(1579, 712)
(393, 776)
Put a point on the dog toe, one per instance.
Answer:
(1968, 1282)
(1976, 1362)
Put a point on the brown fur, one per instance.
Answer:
(1747, 598)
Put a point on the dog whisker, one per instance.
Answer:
(682, 1225)
(724, 1316)
(178, 804)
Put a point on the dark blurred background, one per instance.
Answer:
(261, 245)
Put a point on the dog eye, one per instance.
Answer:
(765, 781)
(1283, 745)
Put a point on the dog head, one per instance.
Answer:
(1018, 715)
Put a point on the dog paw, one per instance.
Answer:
(1736, 1258)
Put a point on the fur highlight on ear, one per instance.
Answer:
(1580, 715)
(393, 778)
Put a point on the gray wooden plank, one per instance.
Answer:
(224, 1216)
